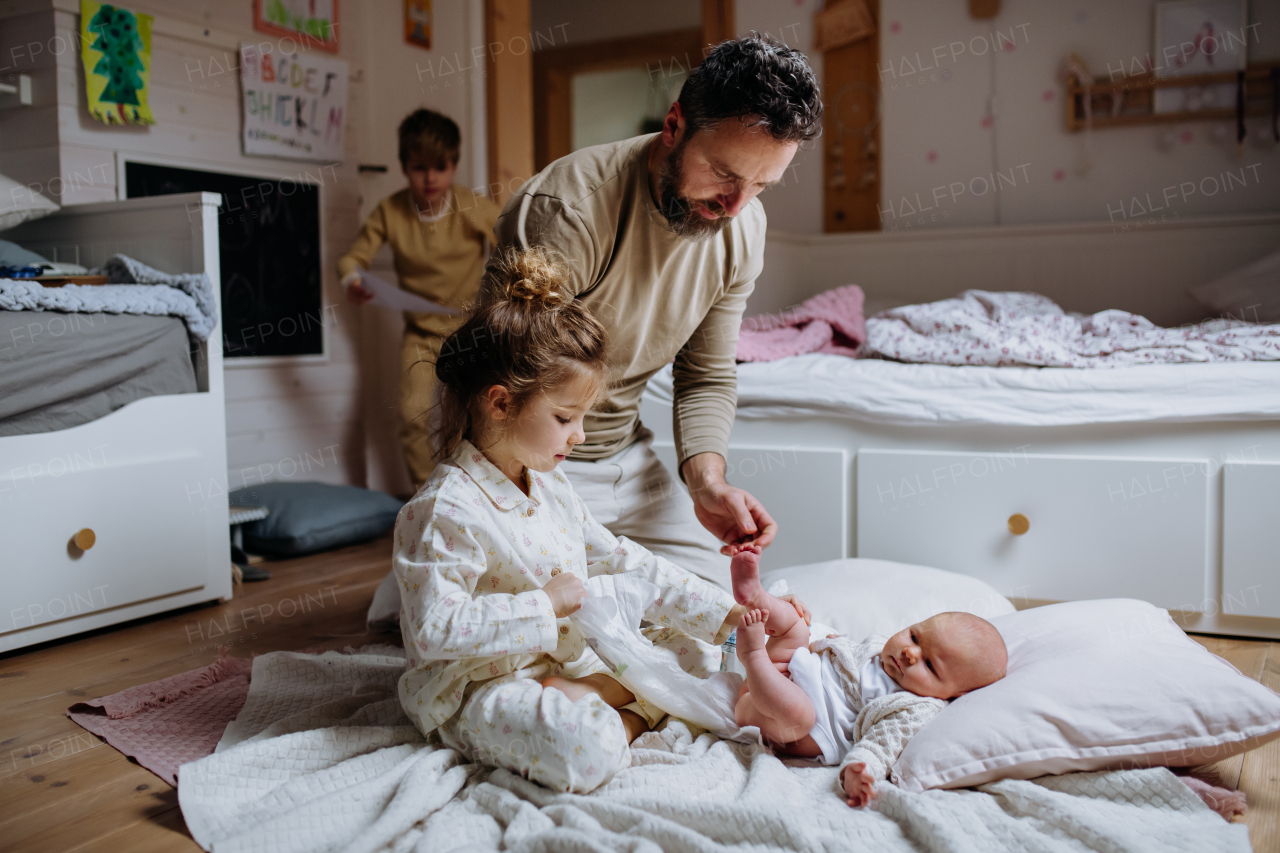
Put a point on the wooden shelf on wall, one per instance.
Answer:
(1128, 101)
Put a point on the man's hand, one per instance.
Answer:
(730, 513)
(566, 592)
(859, 787)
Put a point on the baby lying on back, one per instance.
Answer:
(852, 704)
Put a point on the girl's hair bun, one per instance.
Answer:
(526, 333)
(533, 276)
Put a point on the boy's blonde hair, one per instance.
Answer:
(528, 334)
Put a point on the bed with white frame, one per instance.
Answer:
(1180, 509)
(149, 479)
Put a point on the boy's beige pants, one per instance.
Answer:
(418, 356)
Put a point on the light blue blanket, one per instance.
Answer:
(132, 289)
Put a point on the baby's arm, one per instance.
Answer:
(883, 729)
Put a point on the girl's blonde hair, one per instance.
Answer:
(527, 333)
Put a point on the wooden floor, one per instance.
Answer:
(63, 789)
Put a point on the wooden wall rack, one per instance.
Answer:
(1126, 101)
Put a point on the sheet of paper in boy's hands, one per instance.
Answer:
(388, 295)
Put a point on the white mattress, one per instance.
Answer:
(889, 392)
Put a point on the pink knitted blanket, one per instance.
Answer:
(169, 722)
(830, 322)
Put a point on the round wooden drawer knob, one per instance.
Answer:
(1018, 524)
(85, 539)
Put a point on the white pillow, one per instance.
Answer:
(1092, 685)
(860, 597)
(18, 203)
(1251, 293)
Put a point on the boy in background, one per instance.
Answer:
(440, 236)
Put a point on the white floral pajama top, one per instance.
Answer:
(472, 553)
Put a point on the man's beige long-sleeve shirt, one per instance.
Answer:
(660, 296)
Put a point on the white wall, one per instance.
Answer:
(957, 122)
(1083, 266)
(29, 134)
(934, 134)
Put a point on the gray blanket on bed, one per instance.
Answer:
(58, 371)
(134, 288)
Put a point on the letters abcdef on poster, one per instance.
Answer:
(294, 104)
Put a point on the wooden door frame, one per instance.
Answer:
(528, 98)
(508, 98)
(670, 52)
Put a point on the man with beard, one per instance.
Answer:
(664, 238)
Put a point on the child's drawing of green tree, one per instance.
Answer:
(119, 42)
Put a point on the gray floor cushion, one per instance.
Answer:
(308, 517)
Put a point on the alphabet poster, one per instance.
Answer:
(116, 50)
(294, 104)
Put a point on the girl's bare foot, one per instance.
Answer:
(744, 569)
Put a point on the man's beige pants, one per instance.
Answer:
(634, 495)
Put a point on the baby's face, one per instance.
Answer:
(938, 658)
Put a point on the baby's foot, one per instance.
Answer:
(751, 633)
(744, 569)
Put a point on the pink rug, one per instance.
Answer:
(169, 722)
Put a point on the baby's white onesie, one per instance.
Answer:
(860, 713)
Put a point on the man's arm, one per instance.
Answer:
(705, 380)
(530, 220)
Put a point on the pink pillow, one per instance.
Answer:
(1092, 685)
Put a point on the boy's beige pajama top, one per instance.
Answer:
(471, 554)
(441, 258)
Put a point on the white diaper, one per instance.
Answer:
(833, 712)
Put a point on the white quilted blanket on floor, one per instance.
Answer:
(321, 758)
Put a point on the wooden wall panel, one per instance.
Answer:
(717, 21)
(851, 169)
(509, 86)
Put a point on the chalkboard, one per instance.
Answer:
(269, 248)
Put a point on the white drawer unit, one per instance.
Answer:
(1251, 539)
(1043, 527)
(805, 490)
(82, 551)
(124, 516)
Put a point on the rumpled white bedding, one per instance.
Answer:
(134, 288)
(322, 759)
(887, 392)
(979, 327)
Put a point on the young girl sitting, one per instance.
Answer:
(492, 551)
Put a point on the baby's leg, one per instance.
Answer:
(772, 702)
(787, 631)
